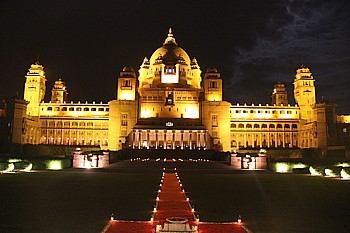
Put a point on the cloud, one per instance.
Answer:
(315, 33)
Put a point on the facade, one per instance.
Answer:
(169, 104)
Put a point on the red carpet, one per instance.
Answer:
(172, 203)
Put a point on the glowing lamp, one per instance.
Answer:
(239, 219)
(112, 217)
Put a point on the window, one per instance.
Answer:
(169, 70)
(78, 109)
(57, 108)
(64, 109)
(86, 109)
(93, 109)
(71, 109)
(124, 119)
(214, 120)
(49, 109)
(100, 109)
(213, 84)
(126, 83)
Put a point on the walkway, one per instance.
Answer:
(171, 202)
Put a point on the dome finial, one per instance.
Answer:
(170, 39)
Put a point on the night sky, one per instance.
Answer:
(253, 43)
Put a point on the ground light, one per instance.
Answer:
(344, 175)
(27, 168)
(10, 168)
(314, 172)
(54, 165)
(329, 172)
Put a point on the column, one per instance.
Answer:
(140, 138)
(148, 141)
(156, 139)
(165, 142)
(173, 139)
(182, 140)
(190, 140)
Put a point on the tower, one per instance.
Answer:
(34, 89)
(126, 84)
(59, 92)
(304, 92)
(279, 94)
(212, 85)
(123, 110)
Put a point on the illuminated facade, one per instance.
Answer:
(170, 105)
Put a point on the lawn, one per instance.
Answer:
(82, 200)
(272, 202)
(73, 201)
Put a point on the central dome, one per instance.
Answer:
(170, 53)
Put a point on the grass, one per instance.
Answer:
(68, 201)
(82, 200)
(272, 202)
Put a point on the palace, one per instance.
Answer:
(168, 104)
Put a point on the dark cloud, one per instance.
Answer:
(253, 43)
(315, 33)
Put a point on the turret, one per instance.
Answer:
(304, 92)
(34, 89)
(59, 92)
(126, 84)
(279, 94)
(212, 84)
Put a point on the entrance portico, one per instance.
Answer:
(169, 139)
(169, 134)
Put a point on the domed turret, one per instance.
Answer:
(128, 69)
(169, 64)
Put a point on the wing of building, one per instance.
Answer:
(169, 104)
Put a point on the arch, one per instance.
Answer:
(256, 126)
(249, 126)
(240, 126)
